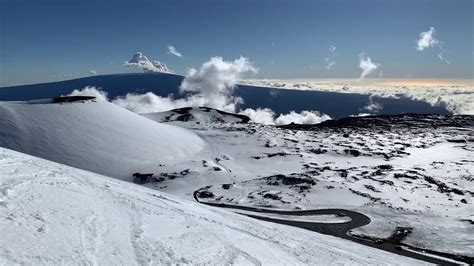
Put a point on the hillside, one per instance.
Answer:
(54, 214)
(96, 136)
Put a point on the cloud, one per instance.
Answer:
(365, 63)
(267, 117)
(442, 58)
(305, 117)
(211, 85)
(140, 61)
(216, 80)
(172, 50)
(263, 116)
(372, 106)
(151, 103)
(427, 39)
(330, 61)
(93, 72)
(99, 94)
(330, 65)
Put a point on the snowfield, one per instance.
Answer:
(401, 171)
(411, 175)
(55, 214)
(97, 136)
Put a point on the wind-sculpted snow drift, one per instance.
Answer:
(97, 136)
(55, 214)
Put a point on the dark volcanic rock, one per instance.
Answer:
(205, 194)
(271, 196)
(352, 152)
(387, 122)
(385, 167)
(400, 234)
(318, 151)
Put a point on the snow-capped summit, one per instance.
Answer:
(96, 136)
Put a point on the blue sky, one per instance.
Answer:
(55, 40)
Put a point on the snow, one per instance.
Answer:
(90, 135)
(440, 220)
(55, 214)
(213, 148)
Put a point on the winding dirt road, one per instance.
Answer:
(342, 230)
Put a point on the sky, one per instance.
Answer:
(53, 40)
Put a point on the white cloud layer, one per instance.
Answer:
(366, 64)
(140, 61)
(427, 39)
(457, 96)
(172, 50)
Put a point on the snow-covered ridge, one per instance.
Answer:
(96, 136)
(55, 214)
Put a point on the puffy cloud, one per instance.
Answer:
(216, 80)
(99, 94)
(93, 72)
(150, 103)
(172, 50)
(267, 117)
(140, 61)
(261, 116)
(372, 106)
(330, 61)
(211, 85)
(305, 117)
(365, 63)
(427, 39)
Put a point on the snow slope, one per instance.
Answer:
(401, 171)
(91, 135)
(55, 214)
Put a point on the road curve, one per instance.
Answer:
(342, 230)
